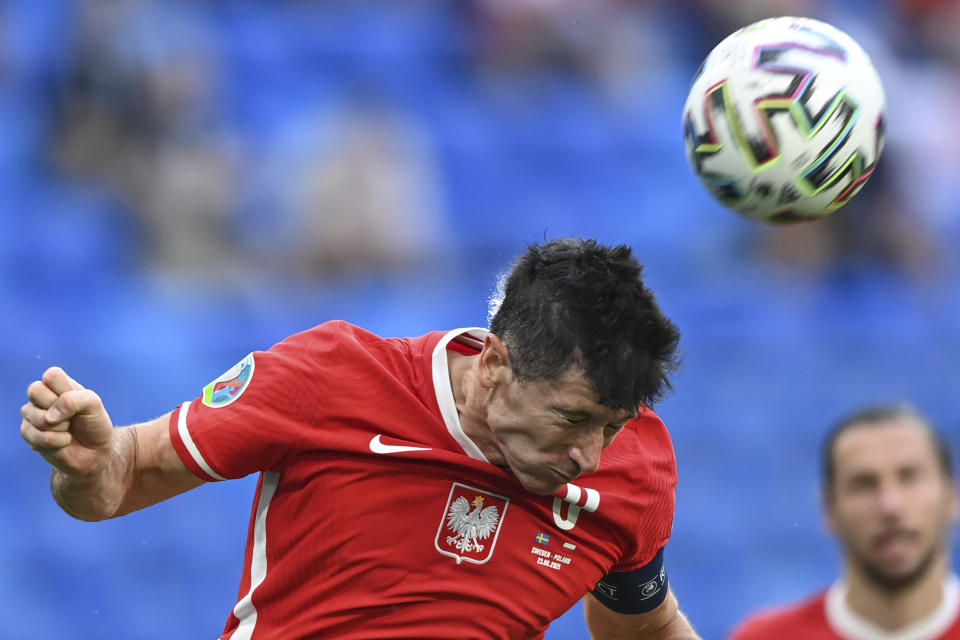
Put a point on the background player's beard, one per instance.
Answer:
(890, 582)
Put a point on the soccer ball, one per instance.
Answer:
(784, 120)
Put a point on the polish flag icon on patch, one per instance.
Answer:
(470, 524)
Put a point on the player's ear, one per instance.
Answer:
(494, 362)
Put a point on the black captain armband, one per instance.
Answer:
(637, 591)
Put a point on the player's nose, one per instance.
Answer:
(891, 499)
(586, 451)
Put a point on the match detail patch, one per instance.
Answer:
(230, 385)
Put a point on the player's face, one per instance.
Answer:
(548, 433)
(891, 504)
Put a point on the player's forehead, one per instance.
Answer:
(573, 393)
(884, 446)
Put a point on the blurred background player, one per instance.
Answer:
(467, 442)
(891, 499)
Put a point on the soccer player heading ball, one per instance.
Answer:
(461, 484)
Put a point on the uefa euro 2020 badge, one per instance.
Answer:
(228, 387)
(470, 524)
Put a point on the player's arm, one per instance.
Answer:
(99, 472)
(665, 622)
(636, 605)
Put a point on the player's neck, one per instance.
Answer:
(893, 610)
(460, 370)
(463, 383)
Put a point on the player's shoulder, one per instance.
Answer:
(348, 332)
(349, 337)
(352, 350)
(803, 620)
(649, 428)
(638, 472)
(332, 346)
(643, 447)
(338, 330)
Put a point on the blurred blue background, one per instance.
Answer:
(182, 182)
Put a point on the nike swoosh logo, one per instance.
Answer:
(378, 447)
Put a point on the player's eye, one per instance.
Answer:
(909, 475)
(862, 483)
(573, 418)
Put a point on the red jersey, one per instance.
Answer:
(826, 616)
(377, 517)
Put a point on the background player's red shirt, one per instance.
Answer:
(377, 517)
(826, 616)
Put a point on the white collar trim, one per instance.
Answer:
(474, 336)
(854, 627)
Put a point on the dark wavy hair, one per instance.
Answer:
(578, 303)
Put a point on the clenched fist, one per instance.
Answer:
(67, 424)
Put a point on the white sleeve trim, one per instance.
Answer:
(191, 445)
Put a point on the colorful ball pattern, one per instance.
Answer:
(784, 120)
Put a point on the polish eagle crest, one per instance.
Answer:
(471, 526)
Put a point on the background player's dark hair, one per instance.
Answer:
(876, 415)
(575, 302)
